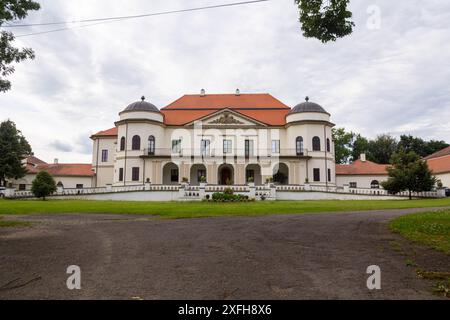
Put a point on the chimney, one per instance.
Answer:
(56, 161)
(202, 93)
(238, 92)
(363, 157)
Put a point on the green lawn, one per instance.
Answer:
(205, 209)
(430, 228)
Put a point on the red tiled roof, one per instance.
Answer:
(110, 132)
(35, 161)
(181, 117)
(439, 165)
(441, 153)
(260, 107)
(231, 101)
(61, 169)
(362, 168)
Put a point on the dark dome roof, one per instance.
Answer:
(141, 106)
(308, 107)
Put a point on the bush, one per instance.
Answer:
(228, 196)
(43, 185)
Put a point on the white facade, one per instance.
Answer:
(225, 146)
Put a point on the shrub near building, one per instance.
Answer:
(44, 185)
(229, 196)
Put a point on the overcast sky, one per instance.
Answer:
(392, 79)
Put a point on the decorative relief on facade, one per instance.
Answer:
(226, 119)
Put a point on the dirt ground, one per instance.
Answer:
(316, 256)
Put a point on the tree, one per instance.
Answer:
(408, 173)
(12, 10)
(435, 146)
(13, 149)
(421, 147)
(360, 145)
(43, 185)
(382, 148)
(410, 143)
(343, 141)
(325, 20)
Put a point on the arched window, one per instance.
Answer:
(151, 145)
(328, 145)
(136, 143)
(316, 144)
(299, 146)
(122, 144)
(375, 184)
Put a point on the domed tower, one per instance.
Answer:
(140, 135)
(142, 110)
(309, 132)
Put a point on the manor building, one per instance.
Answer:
(218, 138)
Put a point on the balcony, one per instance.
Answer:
(218, 153)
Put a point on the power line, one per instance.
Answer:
(63, 29)
(135, 16)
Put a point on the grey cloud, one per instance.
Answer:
(84, 144)
(61, 146)
(375, 81)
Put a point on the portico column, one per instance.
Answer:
(156, 172)
(294, 178)
(211, 173)
(184, 171)
(239, 172)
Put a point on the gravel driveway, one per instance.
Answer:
(317, 256)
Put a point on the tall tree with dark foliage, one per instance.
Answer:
(12, 10)
(13, 149)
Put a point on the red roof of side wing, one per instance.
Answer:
(362, 168)
(106, 133)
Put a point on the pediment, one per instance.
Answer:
(228, 117)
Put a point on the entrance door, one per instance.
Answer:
(225, 176)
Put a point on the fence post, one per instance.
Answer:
(441, 193)
(273, 191)
(182, 191)
(202, 191)
(10, 193)
(346, 188)
(252, 194)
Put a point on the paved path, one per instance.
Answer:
(321, 256)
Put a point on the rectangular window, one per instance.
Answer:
(22, 187)
(275, 146)
(317, 175)
(329, 175)
(135, 174)
(176, 146)
(174, 175)
(121, 174)
(79, 186)
(104, 155)
(205, 145)
(227, 146)
(249, 151)
(353, 185)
